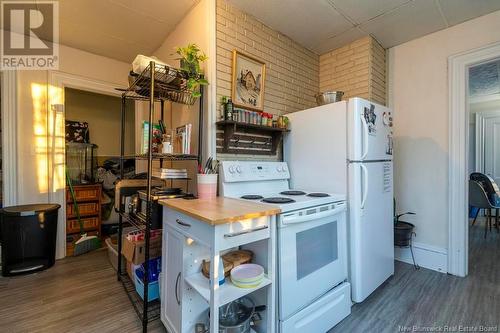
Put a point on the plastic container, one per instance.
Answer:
(113, 254)
(207, 186)
(141, 62)
(112, 245)
(153, 283)
(153, 288)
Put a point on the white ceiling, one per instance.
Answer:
(324, 25)
(119, 29)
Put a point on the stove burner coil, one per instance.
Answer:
(293, 193)
(278, 200)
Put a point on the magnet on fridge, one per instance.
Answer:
(387, 118)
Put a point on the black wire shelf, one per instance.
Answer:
(167, 157)
(170, 84)
(153, 312)
(137, 221)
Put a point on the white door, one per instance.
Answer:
(370, 229)
(173, 280)
(312, 255)
(369, 131)
(492, 148)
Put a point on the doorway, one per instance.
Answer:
(484, 165)
(92, 159)
(459, 153)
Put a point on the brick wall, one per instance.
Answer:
(358, 69)
(292, 71)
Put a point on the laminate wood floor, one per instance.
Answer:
(81, 294)
(426, 299)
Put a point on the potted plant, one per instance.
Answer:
(190, 58)
(403, 233)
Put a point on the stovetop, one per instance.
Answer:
(268, 182)
(293, 199)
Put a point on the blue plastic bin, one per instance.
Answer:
(153, 284)
(153, 288)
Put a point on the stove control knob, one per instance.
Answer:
(231, 169)
(238, 169)
(284, 168)
(278, 168)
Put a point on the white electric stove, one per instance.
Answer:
(313, 291)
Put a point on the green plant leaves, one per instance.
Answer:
(190, 58)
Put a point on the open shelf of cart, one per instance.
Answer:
(227, 292)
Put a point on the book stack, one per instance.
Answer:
(183, 139)
(165, 173)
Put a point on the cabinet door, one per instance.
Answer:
(173, 279)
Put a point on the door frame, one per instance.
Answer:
(458, 111)
(9, 137)
(60, 81)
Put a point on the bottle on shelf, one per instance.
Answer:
(228, 110)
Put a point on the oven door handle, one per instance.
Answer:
(306, 218)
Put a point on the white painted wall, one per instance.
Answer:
(194, 28)
(418, 93)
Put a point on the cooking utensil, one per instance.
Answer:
(208, 165)
(239, 316)
(328, 97)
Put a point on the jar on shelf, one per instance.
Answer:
(263, 120)
(269, 120)
(166, 145)
(281, 122)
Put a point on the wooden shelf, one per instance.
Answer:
(248, 139)
(240, 125)
(228, 292)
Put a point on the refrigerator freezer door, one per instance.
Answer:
(316, 148)
(370, 229)
(369, 131)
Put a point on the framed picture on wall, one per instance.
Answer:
(249, 75)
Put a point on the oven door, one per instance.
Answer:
(312, 255)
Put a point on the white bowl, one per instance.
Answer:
(247, 273)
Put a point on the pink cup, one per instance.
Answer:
(207, 186)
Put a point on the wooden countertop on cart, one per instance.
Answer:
(220, 210)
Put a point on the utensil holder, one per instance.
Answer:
(207, 186)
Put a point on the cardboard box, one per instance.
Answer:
(135, 251)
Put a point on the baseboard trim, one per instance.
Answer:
(427, 256)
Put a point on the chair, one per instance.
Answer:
(492, 191)
(478, 198)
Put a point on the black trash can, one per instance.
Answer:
(28, 237)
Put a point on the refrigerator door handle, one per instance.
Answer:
(364, 185)
(365, 138)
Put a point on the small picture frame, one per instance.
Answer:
(249, 76)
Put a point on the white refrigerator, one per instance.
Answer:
(346, 147)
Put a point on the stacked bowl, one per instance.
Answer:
(247, 275)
